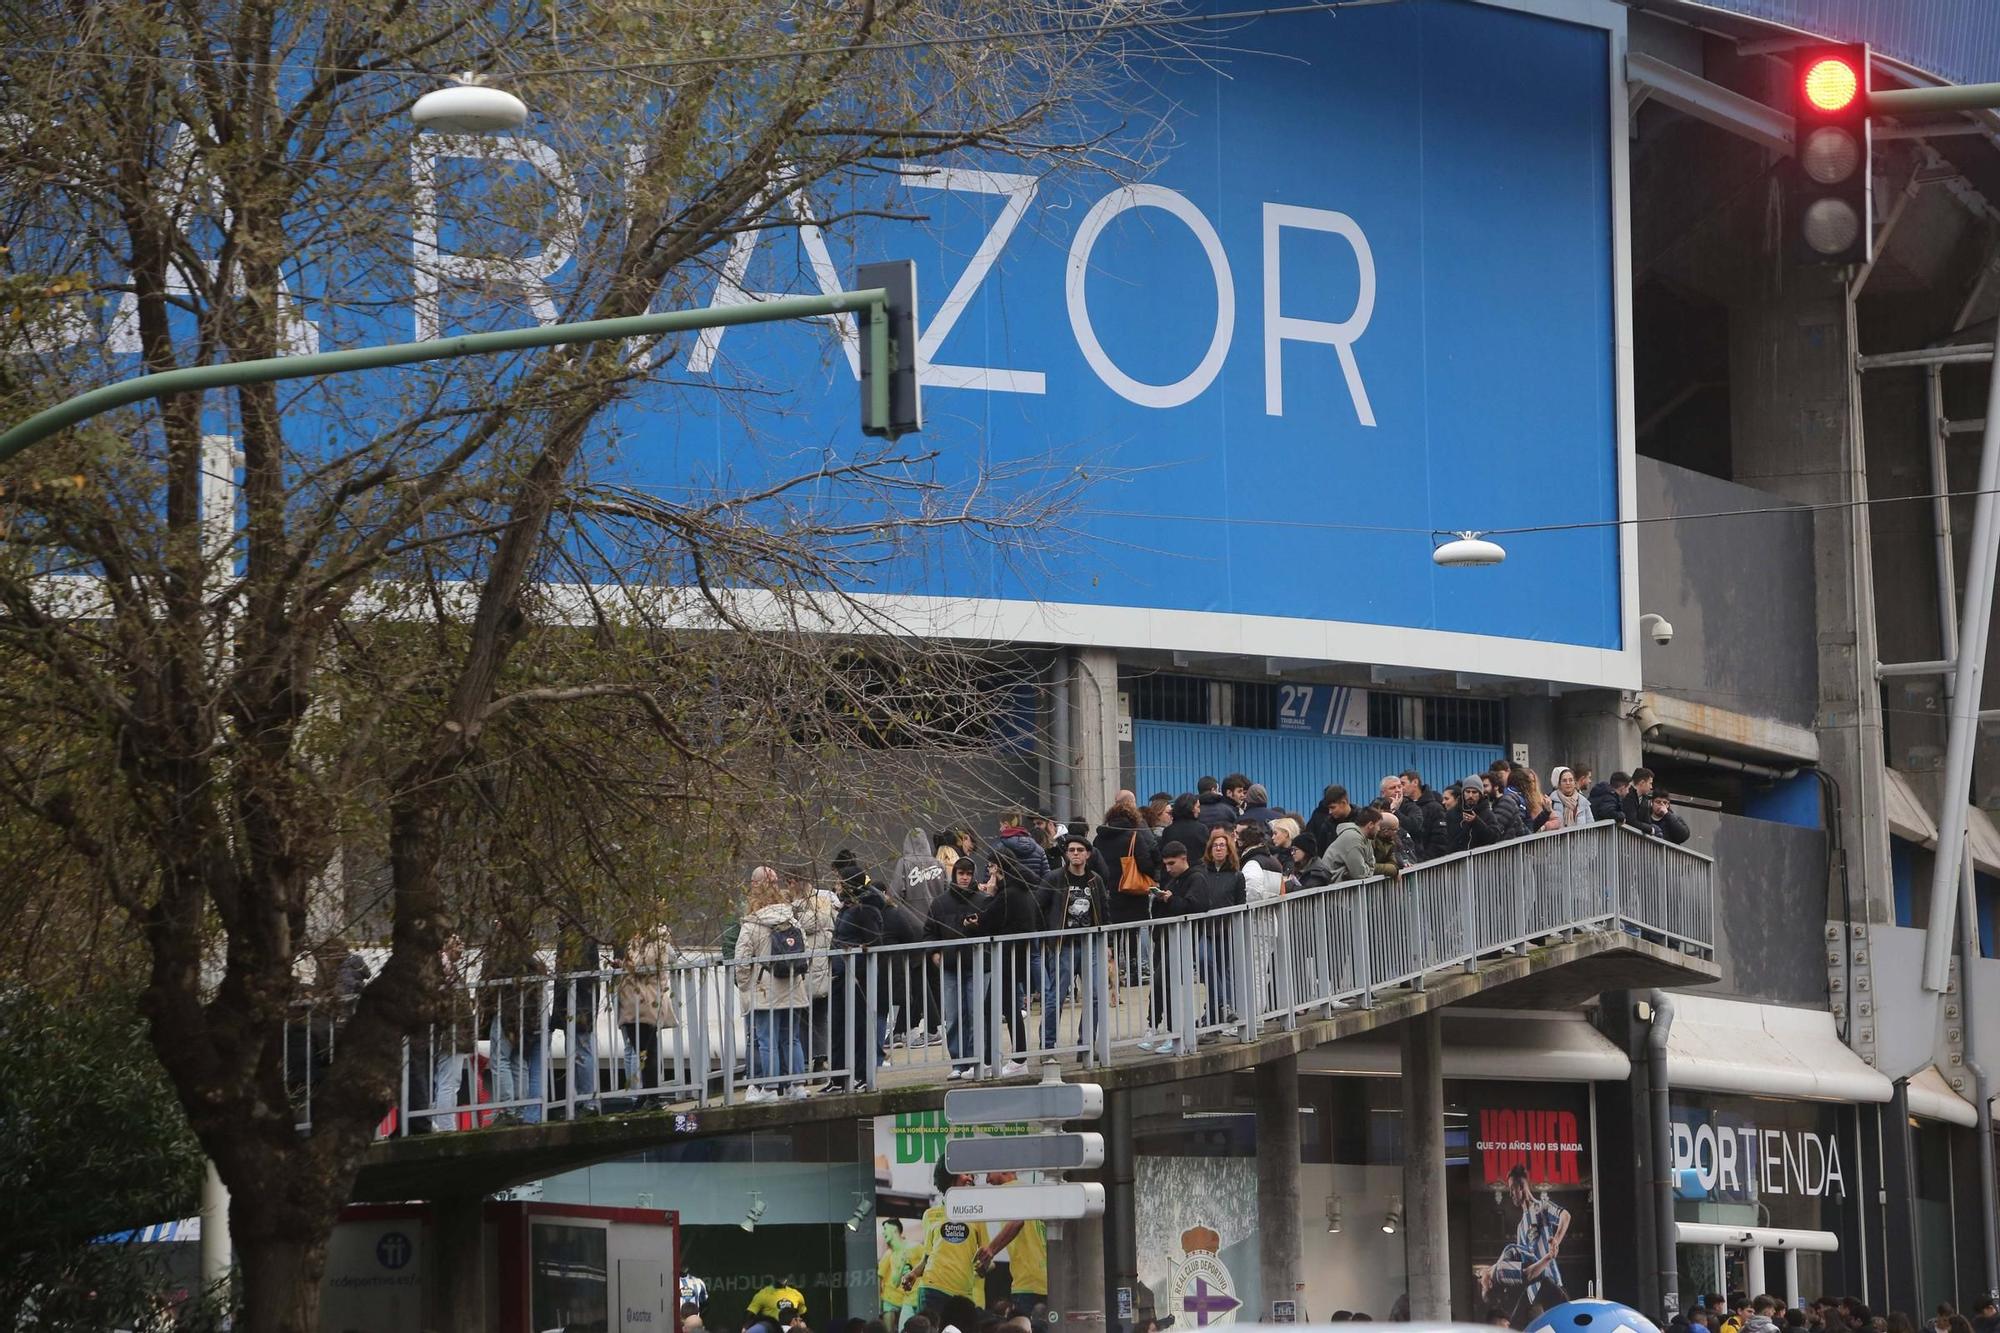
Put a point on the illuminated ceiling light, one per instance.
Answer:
(749, 1222)
(1392, 1221)
(1468, 549)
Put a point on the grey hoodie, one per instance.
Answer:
(1350, 857)
(919, 877)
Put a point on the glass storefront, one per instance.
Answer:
(1520, 1197)
(1780, 1177)
(756, 1211)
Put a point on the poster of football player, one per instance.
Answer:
(1531, 1225)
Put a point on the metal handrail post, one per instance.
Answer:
(874, 992)
(1364, 950)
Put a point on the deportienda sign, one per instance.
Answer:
(1717, 1158)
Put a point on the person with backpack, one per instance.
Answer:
(774, 962)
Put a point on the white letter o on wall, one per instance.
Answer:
(1094, 222)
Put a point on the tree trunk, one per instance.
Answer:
(280, 1261)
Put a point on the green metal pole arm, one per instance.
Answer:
(1951, 97)
(232, 373)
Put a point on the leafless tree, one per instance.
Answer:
(434, 623)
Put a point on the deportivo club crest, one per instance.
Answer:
(1202, 1292)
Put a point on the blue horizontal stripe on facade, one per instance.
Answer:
(1957, 40)
(1169, 756)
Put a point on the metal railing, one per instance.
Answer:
(704, 1031)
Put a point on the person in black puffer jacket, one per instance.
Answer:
(1500, 809)
(1017, 842)
(1187, 828)
(859, 924)
(1443, 818)
(1016, 920)
(1472, 824)
(1607, 799)
(1218, 883)
(962, 912)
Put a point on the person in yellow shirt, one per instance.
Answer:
(764, 1305)
(898, 1257)
(1026, 1245)
(945, 1269)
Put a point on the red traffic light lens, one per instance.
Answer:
(1832, 84)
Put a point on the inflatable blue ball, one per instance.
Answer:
(1591, 1316)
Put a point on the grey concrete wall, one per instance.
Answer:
(1771, 894)
(1739, 592)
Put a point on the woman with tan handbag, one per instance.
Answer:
(1132, 853)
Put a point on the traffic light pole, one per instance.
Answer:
(874, 301)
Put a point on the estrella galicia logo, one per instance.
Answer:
(393, 1250)
(955, 1232)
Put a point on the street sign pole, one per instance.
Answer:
(1050, 1101)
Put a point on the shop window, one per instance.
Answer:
(1160, 698)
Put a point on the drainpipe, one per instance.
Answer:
(1982, 1090)
(1742, 766)
(1061, 753)
(1663, 1152)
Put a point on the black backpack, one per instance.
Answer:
(789, 956)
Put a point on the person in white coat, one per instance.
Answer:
(1569, 803)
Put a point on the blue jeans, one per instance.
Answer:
(511, 1081)
(1079, 959)
(777, 1042)
(583, 1060)
(964, 987)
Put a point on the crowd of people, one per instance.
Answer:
(1031, 883)
(1034, 878)
(1745, 1313)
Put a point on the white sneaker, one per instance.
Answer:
(756, 1094)
(799, 1092)
(1013, 1067)
(1166, 1046)
(1149, 1045)
(963, 1071)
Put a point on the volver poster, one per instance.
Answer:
(1532, 1231)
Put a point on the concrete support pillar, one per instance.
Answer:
(1426, 1251)
(1094, 728)
(1121, 1218)
(1794, 431)
(1280, 1242)
(1592, 728)
(458, 1264)
(1076, 1273)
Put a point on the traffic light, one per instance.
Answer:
(1831, 216)
(898, 277)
